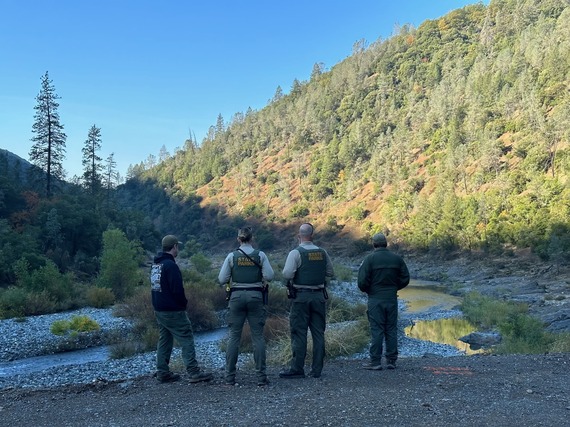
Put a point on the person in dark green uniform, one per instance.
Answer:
(249, 271)
(308, 266)
(381, 275)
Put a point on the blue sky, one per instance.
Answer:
(149, 73)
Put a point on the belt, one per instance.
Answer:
(309, 290)
(255, 288)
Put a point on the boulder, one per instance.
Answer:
(557, 320)
(478, 340)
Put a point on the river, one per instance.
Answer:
(420, 297)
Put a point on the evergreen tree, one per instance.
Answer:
(92, 167)
(111, 174)
(48, 150)
(119, 263)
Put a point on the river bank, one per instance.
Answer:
(20, 340)
(544, 286)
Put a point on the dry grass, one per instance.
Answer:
(340, 341)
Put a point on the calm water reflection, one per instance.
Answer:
(421, 297)
(444, 331)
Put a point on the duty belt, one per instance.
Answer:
(255, 288)
(309, 290)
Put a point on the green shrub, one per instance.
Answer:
(200, 306)
(360, 246)
(523, 334)
(332, 225)
(265, 239)
(41, 303)
(100, 297)
(124, 349)
(75, 325)
(19, 302)
(255, 210)
(138, 308)
(47, 290)
(12, 302)
(223, 232)
(59, 327)
(278, 303)
(357, 213)
(339, 310)
(299, 211)
(487, 312)
(561, 343)
(119, 264)
(201, 262)
(343, 273)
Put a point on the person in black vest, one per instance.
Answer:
(381, 275)
(308, 267)
(249, 271)
(169, 303)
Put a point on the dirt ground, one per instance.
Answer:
(429, 391)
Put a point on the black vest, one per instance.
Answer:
(313, 267)
(244, 269)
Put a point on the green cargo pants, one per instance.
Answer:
(175, 325)
(308, 312)
(246, 305)
(383, 319)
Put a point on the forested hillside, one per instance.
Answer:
(453, 135)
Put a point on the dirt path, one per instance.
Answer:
(468, 391)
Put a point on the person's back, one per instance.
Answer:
(382, 274)
(169, 303)
(167, 285)
(247, 271)
(308, 266)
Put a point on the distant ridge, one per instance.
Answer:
(14, 158)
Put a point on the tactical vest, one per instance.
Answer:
(244, 270)
(313, 267)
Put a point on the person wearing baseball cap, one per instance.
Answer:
(169, 303)
(381, 275)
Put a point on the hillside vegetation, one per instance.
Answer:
(452, 135)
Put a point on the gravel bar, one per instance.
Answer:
(32, 337)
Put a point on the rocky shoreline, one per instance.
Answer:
(20, 340)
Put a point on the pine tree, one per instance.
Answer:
(48, 150)
(111, 174)
(92, 167)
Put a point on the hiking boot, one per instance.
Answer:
(390, 364)
(289, 374)
(262, 382)
(200, 376)
(230, 381)
(372, 366)
(169, 377)
(314, 374)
